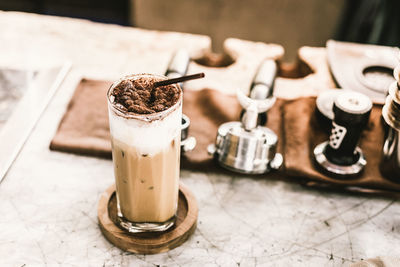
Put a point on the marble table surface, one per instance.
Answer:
(49, 199)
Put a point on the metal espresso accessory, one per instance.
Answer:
(340, 156)
(246, 147)
(262, 86)
(178, 67)
(188, 143)
(390, 163)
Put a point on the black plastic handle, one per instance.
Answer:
(349, 121)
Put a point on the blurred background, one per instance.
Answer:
(291, 23)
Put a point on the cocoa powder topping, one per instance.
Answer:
(141, 97)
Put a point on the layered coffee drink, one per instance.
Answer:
(145, 125)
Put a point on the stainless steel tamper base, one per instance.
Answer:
(250, 152)
(238, 166)
(338, 170)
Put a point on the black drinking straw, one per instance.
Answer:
(179, 79)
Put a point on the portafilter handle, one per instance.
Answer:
(263, 83)
(262, 86)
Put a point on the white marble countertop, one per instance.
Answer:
(49, 199)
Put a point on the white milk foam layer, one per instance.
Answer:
(146, 137)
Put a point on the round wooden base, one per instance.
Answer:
(148, 243)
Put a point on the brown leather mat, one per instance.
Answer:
(302, 133)
(207, 110)
(84, 130)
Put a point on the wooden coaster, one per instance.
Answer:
(148, 243)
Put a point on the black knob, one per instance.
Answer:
(262, 86)
(351, 114)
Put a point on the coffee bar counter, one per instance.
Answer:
(49, 199)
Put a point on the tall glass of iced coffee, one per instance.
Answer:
(145, 126)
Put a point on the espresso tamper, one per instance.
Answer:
(262, 86)
(340, 156)
(246, 147)
(177, 68)
(390, 163)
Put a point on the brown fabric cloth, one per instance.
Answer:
(207, 110)
(84, 128)
(302, 133)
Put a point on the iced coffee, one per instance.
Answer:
(145, 124)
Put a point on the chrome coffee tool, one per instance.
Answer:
(178, 67)
(188, 143)
(340, 156)
(245, 146)
(390, 163)
(262, 86)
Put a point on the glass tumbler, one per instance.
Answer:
(146, 159)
